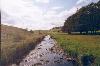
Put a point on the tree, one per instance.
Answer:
(85, 19)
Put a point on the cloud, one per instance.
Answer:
(42, 1)
(26, 14)
(23, 14)
(83, 1)
(58, 18)
(56, 7)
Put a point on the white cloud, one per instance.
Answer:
(79, 1)
(56, 7)
(66, 13)
(25, 14)
(21, 12)
(83, 1)
(58, 18)
(42, 1)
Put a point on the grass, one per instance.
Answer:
(80, 44)
(16, 43)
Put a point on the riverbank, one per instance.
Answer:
(16, 43)
(79, 44)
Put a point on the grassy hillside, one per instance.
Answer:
(80, 44)
(16, 42)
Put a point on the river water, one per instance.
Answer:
(45, 54)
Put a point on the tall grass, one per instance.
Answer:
(80, 44)
(16, 43)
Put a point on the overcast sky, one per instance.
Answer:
(39, 14)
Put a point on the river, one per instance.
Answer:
(46, 54)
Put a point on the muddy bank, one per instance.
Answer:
(21, 53)
(46, 53)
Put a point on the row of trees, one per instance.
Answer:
(85, 19)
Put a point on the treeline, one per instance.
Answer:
(86, 19)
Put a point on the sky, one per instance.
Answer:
(39, 14)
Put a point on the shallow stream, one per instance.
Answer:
(45, 54)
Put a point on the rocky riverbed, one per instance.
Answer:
(47, 53)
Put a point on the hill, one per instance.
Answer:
(16, 43)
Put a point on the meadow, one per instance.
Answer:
(16, 43)
(79, 44)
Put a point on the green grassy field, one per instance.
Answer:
(16, 43)
(80, 44)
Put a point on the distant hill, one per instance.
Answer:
(15, 43)
(85, 19)
(56, 29)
